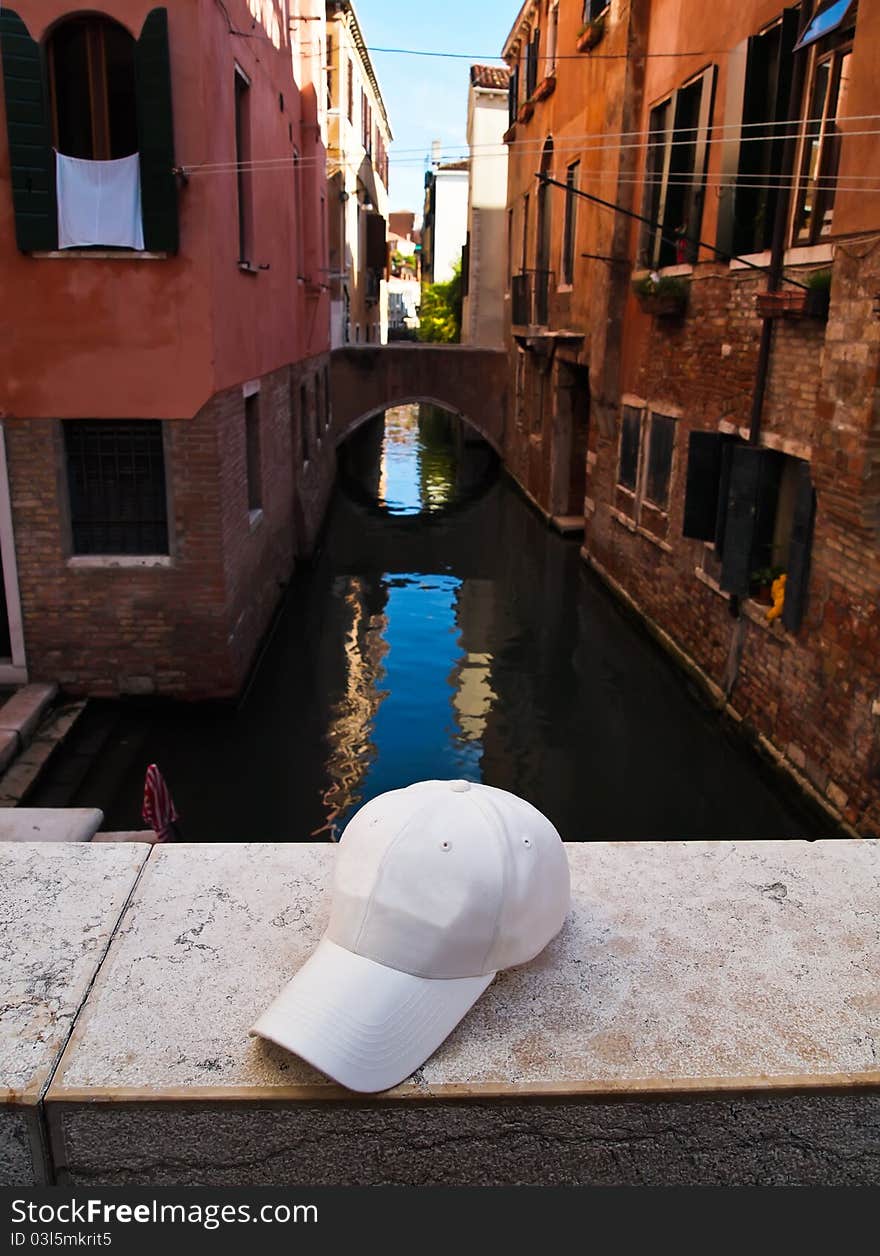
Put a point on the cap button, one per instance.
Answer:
(460, 787)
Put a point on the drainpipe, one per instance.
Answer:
(780, 222)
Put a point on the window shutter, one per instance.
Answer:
(800, 546)
(376, 236)
(512, 95)
(703, 481)
(734, 105)
(740, 515)
(696, 194)
(156, 135)
(31, 160)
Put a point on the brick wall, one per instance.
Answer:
(189, 628)
(811, 692)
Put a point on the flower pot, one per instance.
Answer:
(787, 303)
(666, 305)
(545, 88)
(591, 35)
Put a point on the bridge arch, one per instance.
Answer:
(471, 382)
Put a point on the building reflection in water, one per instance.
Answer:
(417, 688)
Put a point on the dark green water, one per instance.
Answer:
(442, 631)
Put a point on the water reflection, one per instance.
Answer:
(415, 701)
(443, 631)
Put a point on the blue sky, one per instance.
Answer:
(426, 97)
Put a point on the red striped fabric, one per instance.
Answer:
(158, 810)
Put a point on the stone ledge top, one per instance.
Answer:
(700, 966)
(59, 905)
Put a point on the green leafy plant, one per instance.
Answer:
(819, 281)
(664, 296)
(763, 577)
(440, 311)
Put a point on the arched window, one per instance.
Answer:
(92, 88)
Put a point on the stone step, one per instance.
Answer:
(24, 711)
(19, 779)
(49, 824)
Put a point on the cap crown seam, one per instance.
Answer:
(490, 815)
(376, 880)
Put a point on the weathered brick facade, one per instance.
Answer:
(808, 693)
(190, 625)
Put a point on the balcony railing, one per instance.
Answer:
(529, 297)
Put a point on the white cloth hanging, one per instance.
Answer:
(99, 202)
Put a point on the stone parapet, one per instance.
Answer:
(709, 1013)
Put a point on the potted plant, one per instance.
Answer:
(664, 296)
(818, 297)
(590, 33)
(785, 303)
(761, 583)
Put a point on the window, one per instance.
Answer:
(329, 70)
(513, 96)
(661, 442)
(758, 505)
(644, 468)
(569, 228)
(593, 8)
(116, 484)
(349, 86)
(532, 63)
(758, 88)
(303, 429)
(509, 267)
(92, 89)
(242, 156)
(525, 233)
(317, 409)
(552, 34)
(819, 157)
(252, 440)
(630, 440)
(675, 174)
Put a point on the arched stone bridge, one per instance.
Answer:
(471, 382)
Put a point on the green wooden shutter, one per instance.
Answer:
(31, 159)
(156, 135)
(800, 546)
(703, 479)
(742, 508)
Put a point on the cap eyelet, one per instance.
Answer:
(527, 841)
(446, 845)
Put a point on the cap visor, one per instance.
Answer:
(363, 1024)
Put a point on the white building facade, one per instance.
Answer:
(359, 136)
(484, 262)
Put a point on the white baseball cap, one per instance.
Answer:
(436, 888)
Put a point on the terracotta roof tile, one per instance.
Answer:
(490, 76)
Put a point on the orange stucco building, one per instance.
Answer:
(163, 406)
(693, 245)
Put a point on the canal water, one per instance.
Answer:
(441, 631)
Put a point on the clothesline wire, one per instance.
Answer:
(565, 142)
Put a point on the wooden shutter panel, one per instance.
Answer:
(741, 511)
(31, 159)
(703, 480)
(156, 135)
(799, 549)
(376, 236)
(512, 96)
